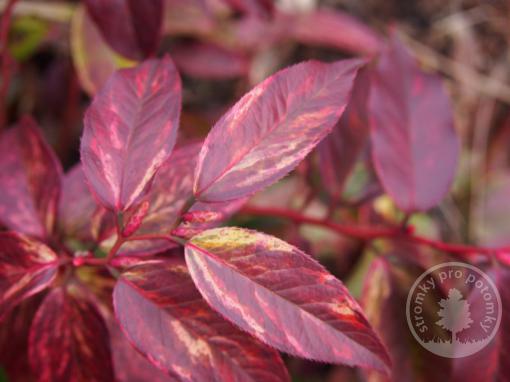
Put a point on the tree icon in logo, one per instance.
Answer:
(454, 313)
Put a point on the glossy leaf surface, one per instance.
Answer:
(414, 145)
(30, 177)
(164, 316)
(135, 30)
(26, 267)
(339, 151)
(272, 128)
(130, 130)
(69, 340)
(282, 296)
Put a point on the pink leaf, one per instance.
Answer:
(135, 220)
(69, 340)
(30, 177)
(163, 315)
(130, 130)
(283, 297)
(171, 189)
(414, 145)
(130, 365)
(26, 268)
(272, 128)
(202, 217)
(131, 27)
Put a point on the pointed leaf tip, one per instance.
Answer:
(283, 297)
(272, 128)
(130, 130)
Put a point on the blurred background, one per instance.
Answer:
(57, 54)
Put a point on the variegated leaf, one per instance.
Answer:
(30, 177)
(283, 297)
(272, 128)
(69, 340)
(165, 318)
(26, 268)
(130, 130)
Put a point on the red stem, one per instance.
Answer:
(371, 233)
(170, 238)
(6, 76)
(113, 251)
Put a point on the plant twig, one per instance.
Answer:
(372, 233)
(173, 239)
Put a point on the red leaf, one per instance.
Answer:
(414, 145)
(69, 340)
(30, 177)
(211, 215)
(79, 216)
(202, 216)
(282, 296)
(130, 130)
(135, 219)
(339, 151)
(164, 316)
(272, 128)
(209, 61)
(26, 268)
(93, 59)
(170, 190)
(135, 30)
(130, 365)
(322, 28)
(14, 330)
